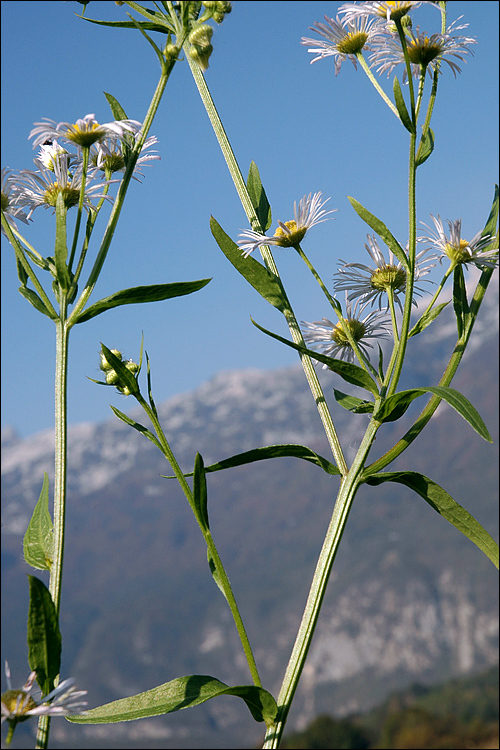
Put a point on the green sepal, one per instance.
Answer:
(460, 303)
(427, 319)
(141, 294)
(257, 275)
(183, 692)
(353, 404)
(258, 197)
(380, 228)
(200, 498)
(44, 637)
(61, 249)
(401, 107)
(37, 303)
(445, 505)
(348, 371)
(38, 542)
(272, 451)
(396, 405)
(132, 423)
(425, 147)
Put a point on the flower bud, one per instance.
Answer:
(201, 35)
(201, 55)
(105, 365)
(112, 377)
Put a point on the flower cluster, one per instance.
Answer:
(370, 26)
(61, 172)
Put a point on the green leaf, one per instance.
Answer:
(445, 505)
(460, 303)
(38, 543)
(139, 427)
(141, 294)
(272, 451)
(200, 492)
(427, 319)
(44, 638)
(380, 228)
(35, 300)
(257, 275)
(394, 406)
(61, 249)
(215, 574)
(425, 148)
(491, 224)
(259, 198)
(351, 403)
(183, 692)
(116, 108)
(401, 107)
(349, 372)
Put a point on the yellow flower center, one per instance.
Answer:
(352, 43)
(458, 253)
(397, 10)
(293, 238)
(422, 51)
(70, 195)
(18, 703)
(356, 328)
(389, 277)
(85, 136)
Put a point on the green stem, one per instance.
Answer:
(222, 576)
(293, 325)
(56, 569)
(376, 84)
(318, 588)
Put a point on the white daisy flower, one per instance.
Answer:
(480, 251)
(330, 338)
(372, 284)
(290, 233)
(342, 39)
(109, 155)
(423, 50)
(83, 132)
(19, 705)
(41, 187)
(13, 202)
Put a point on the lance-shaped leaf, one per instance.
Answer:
(427, 319)
(445, 505)
(380, 228)
(394, 406)
(37, 303)
(258, 197)
(136, 425)
(401, 107)
(200, 492)
(116, 108)
(272, 451)
(183, 692)
(264, 282)
(141, 294)
(349, 372)
(44, 638)
(38, 544)
(353, 404)
(425, 148)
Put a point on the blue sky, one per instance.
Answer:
(306, 129)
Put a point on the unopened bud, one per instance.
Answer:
(105, 365)
(201, 35)
(201, 55)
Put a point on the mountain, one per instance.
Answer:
(410, 599)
